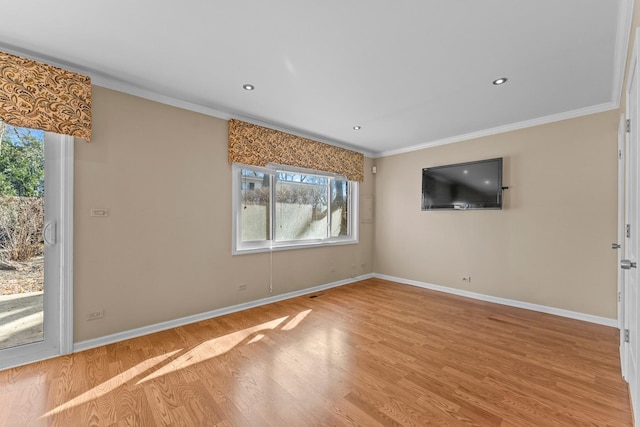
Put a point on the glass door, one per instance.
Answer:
(22, 249)
(31, 254)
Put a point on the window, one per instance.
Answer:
(283, 208)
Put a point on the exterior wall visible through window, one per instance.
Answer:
(282, 208)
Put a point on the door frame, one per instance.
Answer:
(622, 156)
(62, 298)
(631, 307)
(66, 248)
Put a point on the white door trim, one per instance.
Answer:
(620, 238)
(630, 297)
(66, 238)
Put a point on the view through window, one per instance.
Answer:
(21, 243)
(280, 208)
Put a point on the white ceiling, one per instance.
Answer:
(412, 73)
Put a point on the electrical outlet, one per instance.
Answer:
(242, 287)
(95, 315)
(466, 279)
(101, 212)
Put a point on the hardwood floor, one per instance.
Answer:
(370, 353)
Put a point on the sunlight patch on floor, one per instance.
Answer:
(296, 320)
(212, 348)
(207, 350)
(111, 384)
(220, 345)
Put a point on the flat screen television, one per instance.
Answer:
(472, 185)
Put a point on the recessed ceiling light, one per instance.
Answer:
(248, 86)
(500, 81)
(357, 127)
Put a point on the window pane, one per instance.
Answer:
(255, 209)
(339, 208)
(301, 206)
(22, 163)
(290, 208)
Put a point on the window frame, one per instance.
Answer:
(240, 247)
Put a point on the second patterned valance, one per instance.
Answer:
(259, 146)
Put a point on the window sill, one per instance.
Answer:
(286, 246)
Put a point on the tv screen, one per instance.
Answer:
(473, 185)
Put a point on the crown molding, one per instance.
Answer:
(109, 82)
(506, 128)
(623, 38)
(625, 16)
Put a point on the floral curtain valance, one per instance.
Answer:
(41, 96)
(258, 146)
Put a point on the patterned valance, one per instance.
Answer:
(258, 146)
(40, 96)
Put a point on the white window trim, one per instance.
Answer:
(241, 248)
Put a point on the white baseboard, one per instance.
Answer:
(150, 329)
(145, 330)
(504, 301)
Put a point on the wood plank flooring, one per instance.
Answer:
(373, 353)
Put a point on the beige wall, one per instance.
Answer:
(550, 245)
(164, 251)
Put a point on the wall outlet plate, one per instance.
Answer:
(95, 315)
(99, 212)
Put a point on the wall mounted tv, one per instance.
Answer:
(472, 185)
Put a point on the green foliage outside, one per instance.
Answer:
(21, 163)
(21, 193)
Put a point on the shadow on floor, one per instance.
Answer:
(21, 319)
